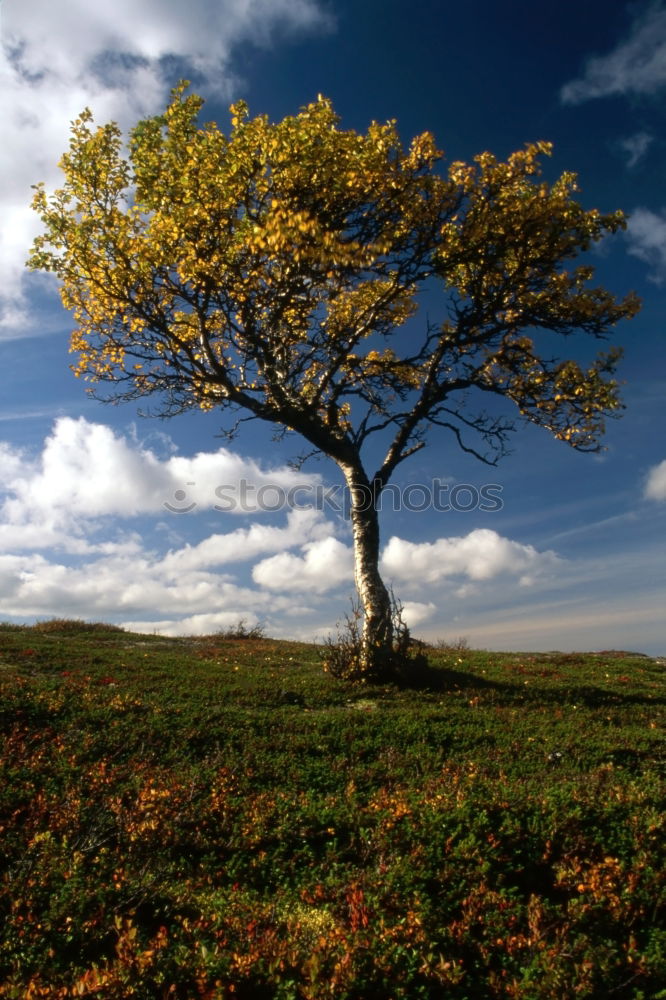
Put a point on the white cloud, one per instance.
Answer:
(66, 549)
(416, 612)
(123, 583)
(646, 235)
(10, 462)
(247, 543)
(119, 59)
(480, 555)
(201, 624)
(325, 564)
(636, 147)
(86, 471)
(635, 66)
(655, 487)
(60, 39)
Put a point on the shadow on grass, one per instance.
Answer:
(420, 675)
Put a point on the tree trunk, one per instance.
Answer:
(376, 660)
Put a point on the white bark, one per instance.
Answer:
(374, 597)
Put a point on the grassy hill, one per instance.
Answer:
(218, 818)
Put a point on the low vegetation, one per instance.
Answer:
(218, 818)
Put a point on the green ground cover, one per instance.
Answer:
(218, 818)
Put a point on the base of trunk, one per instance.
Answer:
(372, 650)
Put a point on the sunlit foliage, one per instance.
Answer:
(257, 269)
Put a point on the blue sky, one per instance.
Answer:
(105, 515)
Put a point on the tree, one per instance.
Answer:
(273, 272)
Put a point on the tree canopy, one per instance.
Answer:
(275, 272)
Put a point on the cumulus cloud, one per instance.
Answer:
(646, 236)
(126, 581)
(120, 583)
(324, 565)
(10, 462)
(247, 543)
(135, 588)
(635, 66)
(87, 471)
(480, 555)
(69, 545)
(119, 59)
(655, 486)
(201, 624)
(416, 612)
